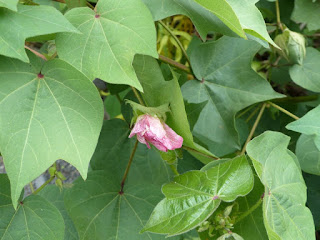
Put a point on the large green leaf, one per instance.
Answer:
(225, 13)
(307, 11)
(54, 195)
(159, 92)
(35, 217)
(251, 19)
(15, 27)
(284, 211)
(192, 197)
(307, 74)
(44, 117)
(229, 84)
(110, 38)
(96, 206)
(308, 154)
(10, 4)
(308, 125)
(251, 227)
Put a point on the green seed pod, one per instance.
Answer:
(293, 46)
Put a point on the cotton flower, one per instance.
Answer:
(150, 129)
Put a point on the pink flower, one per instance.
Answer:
(151, 130)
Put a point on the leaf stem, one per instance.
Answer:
(36, 53)
(31, 187)
(200, 153)
(174, 169)
(136, 93)
(43, 185)
(250, 210)
(174, 64)
(177, 40)
(278, 15)
(297, 99)
(254, 127)
(284, 110)
(128, 166)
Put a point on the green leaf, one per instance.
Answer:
(159, 92)
(229, 84)
(313, 185)
(53, 195)
(44, 19)
(225, 13)
(192, 197)
(202, 18)
(307, 74)
(251, 19)
(307, 11)
(308, 125)
(308, 154)
(75, 3)
(251, 227)
(10, 4)
(284, 211)
(96, 206)
(110, 38)
(44, 117)
(35, 217)
(193, 112)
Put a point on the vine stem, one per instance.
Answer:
(284, 110)
(43, 185)
(174, 63)
(254, 127)
(136, 93)
(36, 53)
(128, 167)
(177, 40)
(250, 210)
(278, 15)
(200, 153)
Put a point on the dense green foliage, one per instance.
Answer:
(239, 81)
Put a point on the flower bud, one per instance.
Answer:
(292, 45)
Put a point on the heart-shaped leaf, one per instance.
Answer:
(53, 114)
(307, 74)
(44, 19)
(192, 197)
(227, 80)
(111, 36)
(285, 215)
(35, 217)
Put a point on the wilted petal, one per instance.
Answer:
(174, 139)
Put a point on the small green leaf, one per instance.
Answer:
(10, 4)
(55, 114)
(111, 36)
(192, 197)
(307, 125)
(228, 84)
(307, 11)
(308, 154)
(44, 19)
(284, 211)
(35, 217)
(307, 74)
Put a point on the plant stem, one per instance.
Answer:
(174, 63)
(43, 185)
(128, 167)
(136, 93)
(245, 111)
(252, 114)
(174, 169)
(200, 153)
(278, 15)
(89, 5)
(31, 187)
(283, 110)
(297, 99)
(36, 53)
(177, 40)
(250, 210)
(253, 128)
